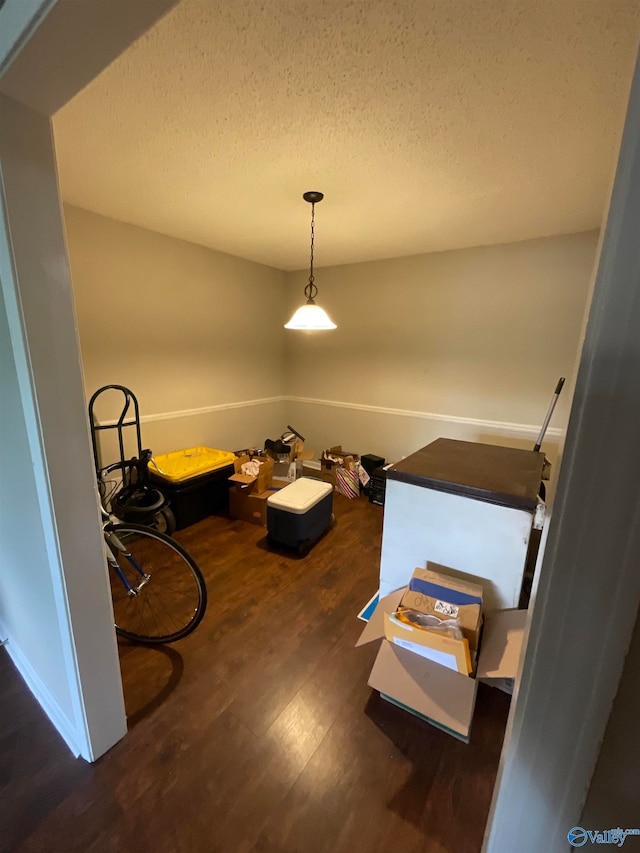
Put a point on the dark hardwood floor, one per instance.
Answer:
(258, 732)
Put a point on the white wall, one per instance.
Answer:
(467, 344)
(195, 334)
(28, 608)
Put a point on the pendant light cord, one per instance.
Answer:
(311, 291)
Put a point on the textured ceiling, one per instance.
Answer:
(428, 125)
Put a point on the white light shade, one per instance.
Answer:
(310, 317)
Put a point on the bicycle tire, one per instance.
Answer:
(171, 603)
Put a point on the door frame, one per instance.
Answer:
(49, 50)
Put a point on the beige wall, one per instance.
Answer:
(184, 327)
(467, 344)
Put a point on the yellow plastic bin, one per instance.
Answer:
(195, 481)
(181, 465)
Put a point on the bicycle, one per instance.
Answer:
(159, 594)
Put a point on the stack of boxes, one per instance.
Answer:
(257, 476)
(288, 458)
(249, 490)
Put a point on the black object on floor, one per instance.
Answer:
(378, 486)
(196, 498)
(370, 462)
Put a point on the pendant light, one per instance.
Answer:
(311, 317)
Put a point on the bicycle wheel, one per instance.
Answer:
(164, 597)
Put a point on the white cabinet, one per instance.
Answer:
(466, 506)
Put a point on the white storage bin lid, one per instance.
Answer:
(300, 496)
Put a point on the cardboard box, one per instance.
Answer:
(296, 451)
(299, 453)
(334, 458)
(286, 472)
(249, 506)
(438, 695)
(253, 484)
(287, 467)
(439, 594)
(311, 468)
(328, 475)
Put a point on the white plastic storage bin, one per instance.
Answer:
(300, 513)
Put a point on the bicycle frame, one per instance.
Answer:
(111, 541)
(175, 608)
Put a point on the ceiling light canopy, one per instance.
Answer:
(311, 317)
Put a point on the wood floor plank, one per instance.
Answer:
(257, 732)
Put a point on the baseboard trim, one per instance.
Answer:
(477, 423)
(43, 695)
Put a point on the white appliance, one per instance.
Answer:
(470, 507)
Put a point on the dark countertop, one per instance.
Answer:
(486, 472)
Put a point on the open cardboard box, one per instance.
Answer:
(439, 695)
(299, 453)
(286, 471)
(250, 506)
(253, 484)
(336, 456)
(333, 458)
(287, 467)
(296, 451)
